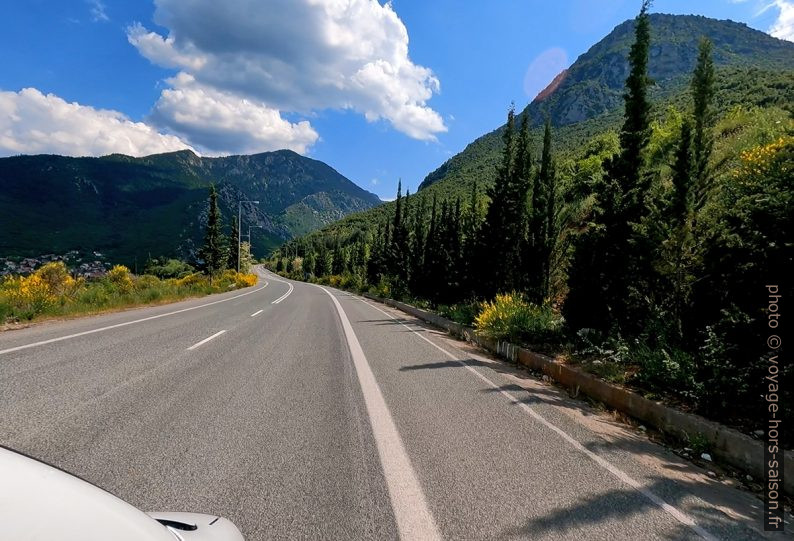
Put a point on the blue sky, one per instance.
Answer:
(379, 92)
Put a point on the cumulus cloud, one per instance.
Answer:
(222, 123)
(34, 123)
(297, 56)
(783, 27)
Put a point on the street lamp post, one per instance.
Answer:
(240, 227)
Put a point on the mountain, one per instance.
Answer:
(585, 101)
(128, 208)
(592, 87)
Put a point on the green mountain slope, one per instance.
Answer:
(129, 207)
(753, 70)
(592, 88)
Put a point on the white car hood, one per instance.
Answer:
(39, 502)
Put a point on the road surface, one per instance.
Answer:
(302, 412)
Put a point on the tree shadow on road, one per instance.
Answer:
(589, 517)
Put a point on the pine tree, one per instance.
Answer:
(213, 253)
(702, 142)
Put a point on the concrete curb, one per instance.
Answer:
(727, 444)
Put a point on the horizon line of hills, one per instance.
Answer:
(91, 203)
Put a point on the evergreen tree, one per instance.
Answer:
(309, 262)
(702, 142)
(432, 256)
(535, 263)
(233, 245)
(416, 276)
(520, 186)
(375, 263)
(213, 252)
(454, 248)
(548, 183)
(498, 245)
(684, 170)
(399, 242)
(338, 259)
(611, 263)
(676, 253)
(472, 264)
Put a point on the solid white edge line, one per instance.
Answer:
(621, 475)
(285, 295)
(413, 517)
(124, 324)
(257, 313)
(197, 344)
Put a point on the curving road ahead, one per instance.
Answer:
(302, 412)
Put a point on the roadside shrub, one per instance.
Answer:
(58, 279)
(463, 313)
(147, 281)
(169, 268)
(664, 369)
(120, 278)
(510, 317)
(194, 279)
(30, 295)
(246, 280)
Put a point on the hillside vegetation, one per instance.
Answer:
(132, 208)
(638, 243)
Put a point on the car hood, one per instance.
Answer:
(42, 502)
(198, 527)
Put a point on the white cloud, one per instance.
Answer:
(783, 27)
(298, 56)
(33, 123)
(98, 12)
(223, 123)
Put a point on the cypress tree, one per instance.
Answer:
(399, 242)
(548, 183)
(456, 254)
(338, 259)
(416, 277)
(213, 253)
(702, 142)
(472, 264)
(635, 133)
(431, 257)
(517, 209)
(375, 263)
(610, 265)
(497, 246)
(233, 246)
(684, 170)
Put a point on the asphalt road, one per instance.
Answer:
(307, 413)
